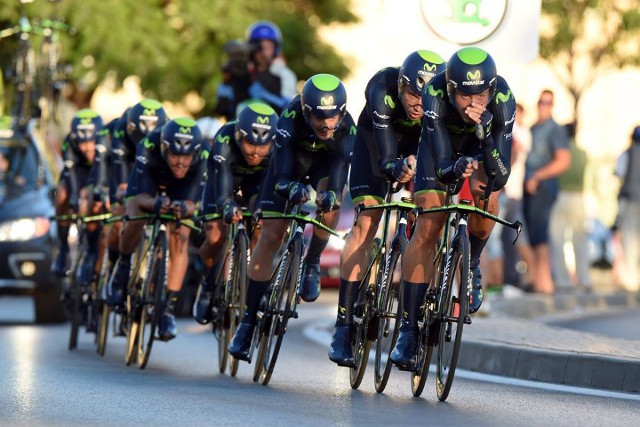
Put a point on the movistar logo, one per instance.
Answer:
(184, 130)
(326, 100)
(148, 144)
(503, 97)
(263, 120)
(435, 92)
(352, 131)
(118, 134)
(289, 114)
(473, 76)
(204, 154)
(495, 154)
(389, 101)
(223, 139)
(429, 67)
(148, 112)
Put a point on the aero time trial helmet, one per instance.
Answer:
(181, 136)
(470, 70)
(143, 118)
(418, 68)
(264, 30)
(324, 96)
(257, 123)
(85, 126)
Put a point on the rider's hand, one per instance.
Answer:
(402, 170)
(298, 193)
(327, 200)
(463, 168)
(179, 209)
(161, 205)
(231, 212)
(483, 128)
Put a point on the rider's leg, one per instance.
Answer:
(210, 251)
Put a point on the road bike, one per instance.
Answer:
(444, 316)
(377, 308)
(281, 299)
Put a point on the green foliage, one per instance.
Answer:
(603, 34)
(175, 46)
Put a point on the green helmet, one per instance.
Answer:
(257, 123)
(181, 136)
(470, 70)
(324, 96)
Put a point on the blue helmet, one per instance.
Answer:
(471, 70)
(85, 126)
(264, 30)
(257, 123)
(144, 117)
(635, 136)
(181, 136)
(418, 68)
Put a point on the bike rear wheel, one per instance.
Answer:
(453, 308)
(388, 315)
(281, 308)
(153, 287)
(75, 307)
(364, 311)
(104, 311)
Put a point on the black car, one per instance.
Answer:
(27, 234)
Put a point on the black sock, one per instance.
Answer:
(170, 301)
(316, 246)
(477, 245)
(347, 295)
(113, 255)
(63, 237)
(411, 299)
(255, 292)
(93, 240)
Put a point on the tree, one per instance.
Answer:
(174, 46)
(583, 39)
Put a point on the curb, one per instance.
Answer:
(574, 369)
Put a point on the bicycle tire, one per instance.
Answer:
(219, 330)
(131, 317)
(363, 314)
(152, 302)
(453, 308)
(238, 294)
(388, 327)
(74, 309)
(104, 310)
(282, 306)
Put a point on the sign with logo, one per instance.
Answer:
(506, 28)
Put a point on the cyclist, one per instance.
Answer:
(469, 111)
(236, 169)
(168, 177)
(78, 152)
(314, 142)
(114, 159)
(388, 127)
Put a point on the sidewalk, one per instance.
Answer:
(514, 341)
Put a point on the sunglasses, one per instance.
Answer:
(545, 102)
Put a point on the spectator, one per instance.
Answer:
(548, 158)
(568, 220)
(628, 220)
(256, 70)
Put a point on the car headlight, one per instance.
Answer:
(23, 229)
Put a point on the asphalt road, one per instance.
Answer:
(42, 383)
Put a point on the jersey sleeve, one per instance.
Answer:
(382, 105)
(220, 175)
(340, 167)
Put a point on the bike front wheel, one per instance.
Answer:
(236, 297)
(152, 297)
(281, 307)
(453, 308)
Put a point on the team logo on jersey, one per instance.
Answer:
(289, 114)
(503, 97)
(219, 158)
(389, 101)
(463, 21)
(223, 139)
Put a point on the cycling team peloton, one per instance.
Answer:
(428, 123)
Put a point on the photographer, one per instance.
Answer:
(256, 70)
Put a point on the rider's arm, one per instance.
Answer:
(220, 175)
(496, 147)
(72, 174)
(196, 183)
(340, 166)
(283, 150)
(121, 157)
(436, 135)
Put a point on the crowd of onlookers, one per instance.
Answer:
(546, 191)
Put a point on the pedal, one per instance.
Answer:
(467, 320)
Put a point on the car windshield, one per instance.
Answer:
(20, 170)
